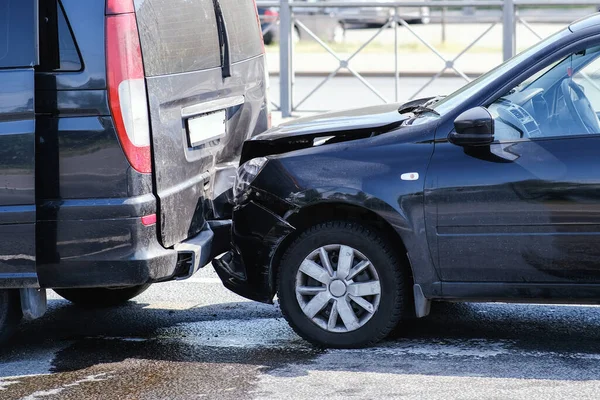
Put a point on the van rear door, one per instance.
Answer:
(205, 79)
(18, 56)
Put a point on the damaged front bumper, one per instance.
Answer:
(247, 269)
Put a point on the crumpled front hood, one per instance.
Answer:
(333, 127)
(348, 120)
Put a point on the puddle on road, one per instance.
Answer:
(224, 357)
(258, 333)
(229, 357)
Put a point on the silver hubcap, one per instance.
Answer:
(338, 288)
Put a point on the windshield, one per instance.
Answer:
(448, 103)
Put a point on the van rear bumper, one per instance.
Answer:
(118, 253)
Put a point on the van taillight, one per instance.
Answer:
(119, 7)
(126, 84)
(262, 40)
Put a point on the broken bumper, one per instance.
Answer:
(247, 269)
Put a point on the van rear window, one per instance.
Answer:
(178, 35)
(243, 29)
(18, 31)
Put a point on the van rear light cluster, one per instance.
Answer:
(262, 39)
(119, 7)
(126, 84)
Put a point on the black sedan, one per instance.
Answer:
(358, 220)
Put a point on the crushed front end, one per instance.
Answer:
(266, 194)
(258, 229)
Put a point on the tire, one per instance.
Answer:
(101, 297)
(268, 38)
(10, 313)
(384, 266)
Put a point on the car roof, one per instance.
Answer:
(586, 22)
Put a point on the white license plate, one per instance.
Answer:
(206, 128)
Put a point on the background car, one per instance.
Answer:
(323, 22)
(378, 16)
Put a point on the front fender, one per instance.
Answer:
(379, 175)
(405, 216)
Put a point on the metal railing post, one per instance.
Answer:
(509, 41)
(444, 11)
(285, 54)
(396, 68)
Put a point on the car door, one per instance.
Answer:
(525, 209)
(18, 56)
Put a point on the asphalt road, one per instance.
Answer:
(194, 339)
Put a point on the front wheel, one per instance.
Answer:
(341, 286)
(101, 297)
(10, 313)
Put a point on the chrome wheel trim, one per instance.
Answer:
(338, 288)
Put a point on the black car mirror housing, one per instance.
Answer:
(474, 127)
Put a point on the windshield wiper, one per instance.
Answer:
(424, 109)
(223, 41)
(420, 106)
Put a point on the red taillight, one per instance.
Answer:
(271, 16)
(262, 40)
(126, 85)
(149, 220)
(119, 7)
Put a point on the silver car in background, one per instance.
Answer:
(378, 16)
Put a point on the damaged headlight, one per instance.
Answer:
(246, 175)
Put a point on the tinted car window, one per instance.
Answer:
(18, 45)
(68, 55)
(242, 28)
(178, 35)
(58, 51)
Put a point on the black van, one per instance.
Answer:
(121, 123)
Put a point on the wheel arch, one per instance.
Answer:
(310, 215)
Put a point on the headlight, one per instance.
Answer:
(246, 174)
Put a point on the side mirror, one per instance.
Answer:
(474, 127)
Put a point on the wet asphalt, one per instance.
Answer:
(194, 339)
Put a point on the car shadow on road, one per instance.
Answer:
(488, 340)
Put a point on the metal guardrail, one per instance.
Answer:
(288, 22)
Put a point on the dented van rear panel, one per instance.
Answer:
(206, 86)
